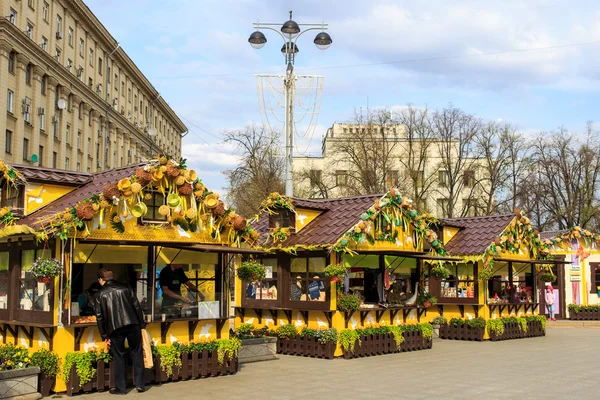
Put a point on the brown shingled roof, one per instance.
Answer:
(94, 186)
(337, 217)
(62, 177)
(476, 233)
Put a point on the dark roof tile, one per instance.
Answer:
(476, 233)
(62, 177)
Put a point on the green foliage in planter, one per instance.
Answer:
(244, 329)
(522, 324)
(46, 268)
(426, 300)
(441, 320)
(323, 336)
(251, 271)
(170, 357)
(13, 357)
(538, 318)
(229, 347)
(348, 303)
(475, 322)
(456, 322)
(308, 333)
(495, 325)
(47, 361)
(102, 355)
(84, 366)
(286, 331)
(426, 330)
(348, 339)
(579, 308)
(440, 272)
(398, 336)
(249, 331)
(199, 347)
(337, 271)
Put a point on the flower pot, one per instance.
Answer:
(45, 279)
(19, 382)
(45, 384)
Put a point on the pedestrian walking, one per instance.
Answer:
(550, 302)
(119, 317)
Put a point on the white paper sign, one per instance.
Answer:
(268, 272)
(208, 310)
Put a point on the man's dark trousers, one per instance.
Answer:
(133, 335)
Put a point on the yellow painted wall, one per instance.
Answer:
(304, 216)
(449, 232)
(38, 195)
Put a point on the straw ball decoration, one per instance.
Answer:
(239, 223)
(185, 190)
(85, 211)
(220, 208)
(67, 216)
(190, 213)
(136, 188)
(143, 177)
(180, 180)
(111, 190)
(172, 171)
(164, 210)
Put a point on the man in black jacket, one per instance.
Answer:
(119, 317)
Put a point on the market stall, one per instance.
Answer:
(155, 226)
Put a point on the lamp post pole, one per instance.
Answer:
(290, 32)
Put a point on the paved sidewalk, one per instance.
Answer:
(562, 365)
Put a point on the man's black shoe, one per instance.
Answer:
(115, 391)
(140, 389)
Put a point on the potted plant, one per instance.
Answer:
(335, 272)
(251, 271)
(547, 276)
(257, 344)
(348, 303)
(437, 322)
(18, 378)
(426, 300)
(440, 271)
(45, 269)
(47, 361)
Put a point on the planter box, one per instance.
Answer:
(461, 332)
(45, 385)
(260, 349)
(585, 315)
(512, 330)
(306, 347)
(103, 380)
(372, 345)
(21, 383)
(197, 365)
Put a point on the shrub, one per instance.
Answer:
(229, 347)
(495, 325)
(348, 339)
(84, 366)
(522, 323)
(170, 357)
(348, 303)
(13, 357)
(335, 271)
(286, 331)
(251, 271)
(47, 361)
(440, 272)
(441, 320)
(426, 330)
(475, 322)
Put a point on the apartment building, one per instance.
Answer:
(73, 98)
(342, 169)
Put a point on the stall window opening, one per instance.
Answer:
(267, 288)
(283, 219)
(153, 200)
(461, 283)
(308, 279)
(4, 279)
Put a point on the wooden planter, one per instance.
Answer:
(372, 345)
(45, 384)
(103, 380)
(585, 315)
(197, 365)
(512, 330)
(306, 347)
(461, 332)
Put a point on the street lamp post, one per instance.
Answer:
(290, 32)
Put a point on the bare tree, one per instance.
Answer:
(456, 131)
(416, 157)
(569, 172)
(259, 171)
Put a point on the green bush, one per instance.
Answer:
(251, 271)
(441, 320)
(348, 339)
(84, 366)
(426, 330)
(227, 347)
(475, 322)
(170, 357)
(13, 357)
(495, 325)
(348, 303)
(286, 331)
(335, 271)
(47, 361)
(522, 324)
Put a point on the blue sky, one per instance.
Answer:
(537, 90)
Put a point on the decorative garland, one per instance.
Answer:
(188, 205)
(278, 235)
(6, 216)
(273, 203)
(381, 220)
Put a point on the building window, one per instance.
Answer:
(25, 149)
(28, 74)
(42, 113)
(123, 89)
(58, 26)
(469, 178)
(44, 44)
(66, 162)
(284, 218)
(68, 134)
(54, 159)
(307, 279)
(81, 46)
(45, 13)
(13, 17)
(442, 206)
(420, 179)
(153, 204)
(41, 156)
(90, 82)
(78, 167)
(43, 85)
(29, 30)
(392, 178)
(471, 206)
(129, 95)
(116, 82)
(461, 285)
(91, 57)
(108, 74)
(80, 111)
(443, 178)
(70, 65)
(90, 118)
(57, 54)
(78, 140)
(70, 36)
(341, 178)
(89, 146)
(27, 110)
(100, 65)
(55, 125)
(9, 101)
(8, 144)
(315, 176)
(11, 62)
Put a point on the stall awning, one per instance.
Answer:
(209, 248)
(516, 260)
(409, 254)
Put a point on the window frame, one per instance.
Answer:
(305, 304)
(13, 15)
(11, 62)
(10, 100)
(152, 215)
(436, 284)
(46, 12)
(58, 24)
(594, 275)
(70, 36)
(8, 141)
(25, 149)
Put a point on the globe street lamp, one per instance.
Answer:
(290, 32)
